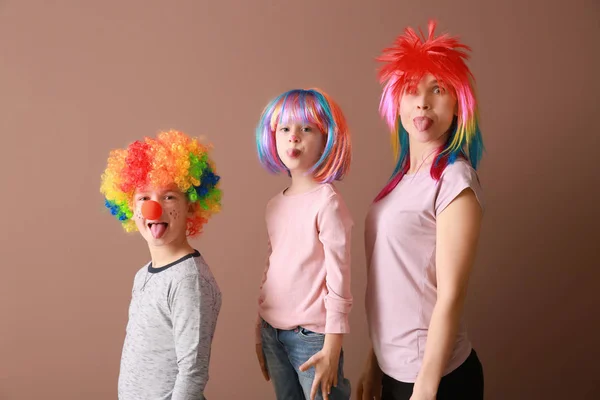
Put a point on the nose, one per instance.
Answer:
(151, 210)
(423, 105)
(294, 138)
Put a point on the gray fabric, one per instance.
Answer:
(172, 320)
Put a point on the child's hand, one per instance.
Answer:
(326, 364)
(261, 361)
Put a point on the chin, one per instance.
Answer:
(426, 136)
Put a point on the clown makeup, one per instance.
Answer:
(158, 215)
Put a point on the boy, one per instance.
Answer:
(167, 189)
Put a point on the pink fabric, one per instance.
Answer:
(307, 279)
(400, 241)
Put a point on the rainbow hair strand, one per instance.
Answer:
(308, 106)
(406, 62)
(172, 158)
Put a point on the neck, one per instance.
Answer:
(422, 154)
(166, 254)
(301, 182)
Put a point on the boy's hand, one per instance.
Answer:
(326, 364)
(261, 361)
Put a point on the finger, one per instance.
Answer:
(325, 390)
(377, 395)
(315, 387)
(263, 366)
(310, 363)
(265, 372)
(359, 391)
(368, 393)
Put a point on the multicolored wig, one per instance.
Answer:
(308, 106)
(405, 63)
(171, 158)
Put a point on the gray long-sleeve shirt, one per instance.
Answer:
(172, 320)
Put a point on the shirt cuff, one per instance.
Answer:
(337, 322)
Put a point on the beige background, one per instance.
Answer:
(78, 78)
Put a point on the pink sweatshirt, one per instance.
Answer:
(307, 278)
(400, 239)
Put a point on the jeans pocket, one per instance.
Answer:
(309, 336)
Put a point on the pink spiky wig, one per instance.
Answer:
(316, 107)
(170, 158)
(406, 62)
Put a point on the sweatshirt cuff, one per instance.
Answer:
(337, 322)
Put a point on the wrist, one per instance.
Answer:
(333, 343)
(425, 389)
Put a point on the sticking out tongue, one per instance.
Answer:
(158, 230)
(293, 153)
(422, 123)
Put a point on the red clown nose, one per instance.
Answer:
(151, 210)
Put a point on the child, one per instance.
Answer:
(167, 189)
(305, 294)
(421, 232)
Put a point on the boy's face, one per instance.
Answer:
(170, 226)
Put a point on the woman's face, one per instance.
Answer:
(427, 110)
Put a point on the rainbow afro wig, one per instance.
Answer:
(309, 106)
(404, 64)
(170, 158)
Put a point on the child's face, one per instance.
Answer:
(170, 226)
(299, 145)
(427, 110)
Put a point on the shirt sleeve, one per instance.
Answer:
(456, 178)
(193, 317)
(335, 228)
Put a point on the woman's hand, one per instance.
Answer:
(369, 384)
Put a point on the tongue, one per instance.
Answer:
(158, 230)
(422, 123)
(293, 152)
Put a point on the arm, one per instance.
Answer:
(193, 317)
(458, 227)
(257, 334)
(369, 384)
(335, 226)
(257, 329)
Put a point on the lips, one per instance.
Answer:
(157, 229)
(293, 153)
(422, 123)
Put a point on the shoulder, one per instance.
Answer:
(456, 178)
(331, 202)
(274, 200)
(141, 272)
(460, 170)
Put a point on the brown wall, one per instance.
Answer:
(78, 78)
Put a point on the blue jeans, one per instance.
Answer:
(285, 351)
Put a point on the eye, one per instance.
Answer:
(170, 197)
(284, 129)
(307, 129)
(438, 90)
(143, 198)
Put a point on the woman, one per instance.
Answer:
(422, 230)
